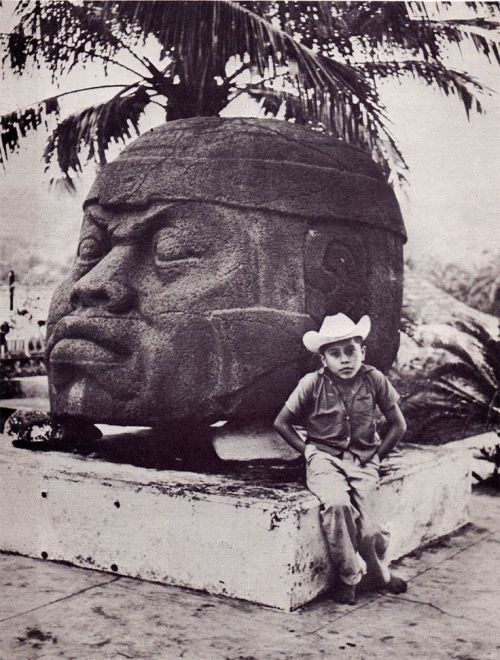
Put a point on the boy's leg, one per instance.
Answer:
(373, 538)
(327, 479)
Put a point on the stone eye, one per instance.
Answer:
(91, 250)
(171, 246)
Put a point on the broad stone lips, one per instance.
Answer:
(76, 340)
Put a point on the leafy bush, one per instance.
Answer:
(492, 456)
(460, 397)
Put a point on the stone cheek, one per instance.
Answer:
(357, 269)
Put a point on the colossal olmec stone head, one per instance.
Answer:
(207, 249)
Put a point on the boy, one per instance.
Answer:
(343, 450)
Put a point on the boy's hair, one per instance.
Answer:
(323, 348)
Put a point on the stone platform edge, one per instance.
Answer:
(207, 532)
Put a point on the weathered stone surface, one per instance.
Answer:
(207, 249)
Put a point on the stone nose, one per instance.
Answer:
(105, 286)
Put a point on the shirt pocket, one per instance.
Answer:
(363, 413)
(363, 403)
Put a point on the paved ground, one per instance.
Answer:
(450, 611)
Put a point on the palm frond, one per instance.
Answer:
(318, 25)
(488, 347)
(389, 26)
(446, 415)
(19, 123)
(485, 40)
(412, 27)
(272, 101)
(202, 37)
(94, 128)
(453, 390)
(479, 376)
(36, 38)
(445, 79)
(465, 389)
(475, 330)
(311, 44)
(457, 350)
(462, 395)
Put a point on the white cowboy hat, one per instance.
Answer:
(336, 328)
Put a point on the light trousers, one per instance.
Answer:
(357, 543)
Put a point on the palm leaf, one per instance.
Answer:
(481, 378)
(408, 26)
(489, 348)
(95, 128)
(485, 41)
(447, 80)
(60, 34)
(455, 349)
(464, 397)
(444, 417)
(311, 43)
(319, 25)
(466, 390)
(476, 331)
(16, 125)
(457, 393)
(272, 101)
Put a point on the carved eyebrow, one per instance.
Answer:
(131, 224)
(136, 224)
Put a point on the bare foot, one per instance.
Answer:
(344, 593)
(395, 585)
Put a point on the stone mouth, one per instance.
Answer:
(73, 337)
(83, 351)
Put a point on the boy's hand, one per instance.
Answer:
(375, 458)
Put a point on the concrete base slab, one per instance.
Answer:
(224, 535)
(25, 403)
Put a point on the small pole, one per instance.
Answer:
(12, 285)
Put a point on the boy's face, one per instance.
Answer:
(344, 358)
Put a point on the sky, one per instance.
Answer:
(450, 205)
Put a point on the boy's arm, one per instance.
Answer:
(283, 425)
(396, 430)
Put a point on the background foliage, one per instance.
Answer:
(309, 62)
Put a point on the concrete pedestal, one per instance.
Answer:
(215, 533)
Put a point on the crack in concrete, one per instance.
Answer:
(455, 554)
(385, 594)
(440, 610)
(350, 611)
(58, 600)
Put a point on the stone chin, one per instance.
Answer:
(96, 368)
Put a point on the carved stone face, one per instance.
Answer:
(186, 305)
(171, 309)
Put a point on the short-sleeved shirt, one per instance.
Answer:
(341, 415)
